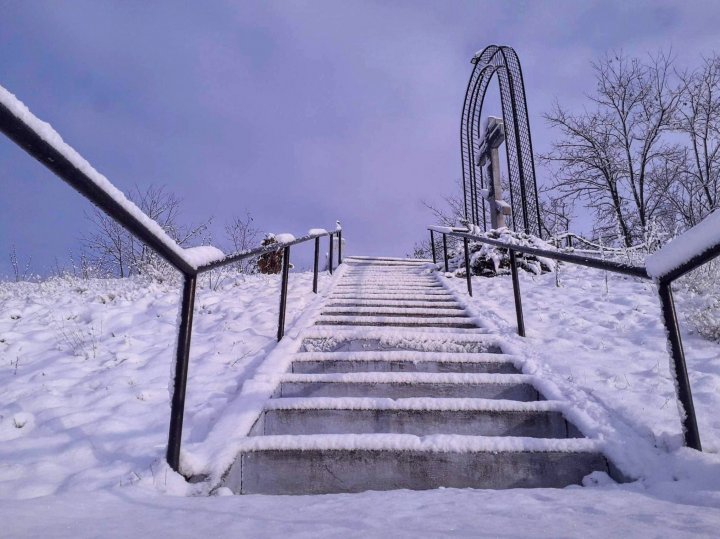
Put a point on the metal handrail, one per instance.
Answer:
(182, 359)
(691, 435)
(25, 132)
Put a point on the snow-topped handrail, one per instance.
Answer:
(685, 253)
(273, 247)
(688, 251)
(589, 261)
(42, 142)
(598, 247)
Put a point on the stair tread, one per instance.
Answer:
(407, 355)
(433, 443)
(409, 378)
(425, 404)
(394, 319)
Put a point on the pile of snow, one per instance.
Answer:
(203, 255)
(694, 242)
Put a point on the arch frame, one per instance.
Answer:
(503, 62)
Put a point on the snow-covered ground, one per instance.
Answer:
(85, 365)
(84, 369)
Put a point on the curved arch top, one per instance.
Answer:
(502, 61)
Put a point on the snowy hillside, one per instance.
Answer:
(84, 370)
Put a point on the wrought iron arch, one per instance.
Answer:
(503, 62)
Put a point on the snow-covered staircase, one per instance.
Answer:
(397, 387)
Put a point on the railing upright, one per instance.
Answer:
(445, 252)
(339, 235)
(283, 292)
(330, 258)
(177, 409)
(682, 382)
(468, 270)
(432, 246)
(516, 293)
(316, 264)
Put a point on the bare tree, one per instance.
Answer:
(115, 251)
(557, 212)
(21, 272)
(699, 118)
(243, 236)
(610, 156)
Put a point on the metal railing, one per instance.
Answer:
(186, 314)
(691, 435)
(29, 134)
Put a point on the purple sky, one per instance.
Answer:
(299, 112)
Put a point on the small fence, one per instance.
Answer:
(691, 436)
(45, 145)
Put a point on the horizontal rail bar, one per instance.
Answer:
(608, 265)
(694, 263)
(25, 136)
(272, 248)
(29, 140)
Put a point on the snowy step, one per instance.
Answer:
(413, 292)
(318, 464)
(420, 416)
(391, 311)
(386, 263)
(396, 304)
(419, 261)
(401, 361)
(425, 287)
(349, 339)
(401, 385)
(395, 321)
(403, 298)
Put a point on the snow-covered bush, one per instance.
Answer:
(702, 305)
(489, 261)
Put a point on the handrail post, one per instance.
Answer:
(283, 292)
(432, 246)
(468, 270)
(691, 436)
(339, 235)
(177, 410)
(330, 258)
(516, 293)
(445, 252)
(315, 265)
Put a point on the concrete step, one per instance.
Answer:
(363, 339)
(396, 385)
(423, 416)
(392, 311)
(390, 297)
(411, 288)
(414, 292)
(403, 361)
(320, 464)
(388, 263)
(395, 321)
(366, 259)
(397, 304)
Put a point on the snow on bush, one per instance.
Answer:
(489, 261)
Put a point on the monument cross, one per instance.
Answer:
(488, 153)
